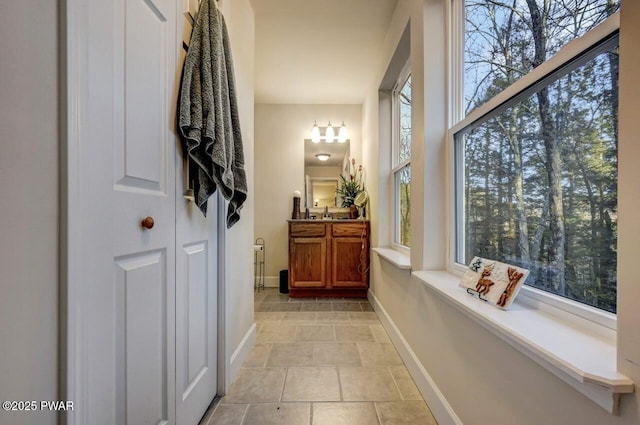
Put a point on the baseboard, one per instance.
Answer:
(271, 281)
(241, 353)
(441, 409)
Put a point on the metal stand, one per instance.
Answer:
(258, 264)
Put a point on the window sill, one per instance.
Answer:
(397, 258)
(582, 356)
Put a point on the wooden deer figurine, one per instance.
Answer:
(514, 277)
(484, 285)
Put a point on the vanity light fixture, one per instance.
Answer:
(323, 156)
(342, 134)
(315, 133)
(329, 135)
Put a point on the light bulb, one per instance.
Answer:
(342, 134)
(329, 134)
(315, 133)
(323, 156)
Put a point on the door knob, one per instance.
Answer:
(147, 223)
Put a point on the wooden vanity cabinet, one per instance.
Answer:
(328, 258)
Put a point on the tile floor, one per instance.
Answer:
(320, 362)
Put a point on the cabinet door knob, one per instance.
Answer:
(147, 223)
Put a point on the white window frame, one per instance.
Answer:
(546, 301)
(396, 165)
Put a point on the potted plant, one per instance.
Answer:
(350, 187)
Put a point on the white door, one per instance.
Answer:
(196, 282)
(124, 82)
(196, 310)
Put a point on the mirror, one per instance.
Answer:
(323, 192)
(322, 177)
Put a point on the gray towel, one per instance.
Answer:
(208, 113)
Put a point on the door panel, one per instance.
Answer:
(196, 278)
(196, 310)
(349, 260)
(145, 91)
(308, 262)
(126, 157)
(141, 339)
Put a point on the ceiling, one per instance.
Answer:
(318, 51)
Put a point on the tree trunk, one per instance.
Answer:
(553, 161)
(521, 216)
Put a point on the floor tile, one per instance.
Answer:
(405, 413)
(379, 333)
(346, 306)
(258, 355)
(354, 333)
(328, 300)
(228, 414)
(366, 306)
(311, 384)
(379, 354)
(336, 354)
(256, 385)
(367, 384)
(315, 333)
(300, 317)
(262, 307)
(278, 414)
(276, 333)
(332, 317)
(363, 413)
(260, 296)
(276, 298)
(364, 317)
(316, 307)
(311, 363)
(270, 316)
(405, 383)
(291, 354)
(285, 306)
(307, 300)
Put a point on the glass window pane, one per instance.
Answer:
(404, 101)
(540, 185)
(403, 206)
(503, 42)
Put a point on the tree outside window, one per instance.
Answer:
(539, 172)
(402, 161)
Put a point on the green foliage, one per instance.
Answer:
(507, 187)
(350, 187)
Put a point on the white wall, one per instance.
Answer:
(327, 172)
(279, 169)
(29, 206)
(483, 379)
(240, 330)
(629, 204)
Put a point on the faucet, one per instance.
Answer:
(326, 212)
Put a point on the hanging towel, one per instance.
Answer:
(208, 113)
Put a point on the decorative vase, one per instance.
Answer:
(353, 211)
(295, 214)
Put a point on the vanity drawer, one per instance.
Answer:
(350, 229)
(307, 230)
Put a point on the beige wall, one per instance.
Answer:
(332, 172)
(29, 206)
(629, 204)
(239, 239)
(279, 168)
(483, 379)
